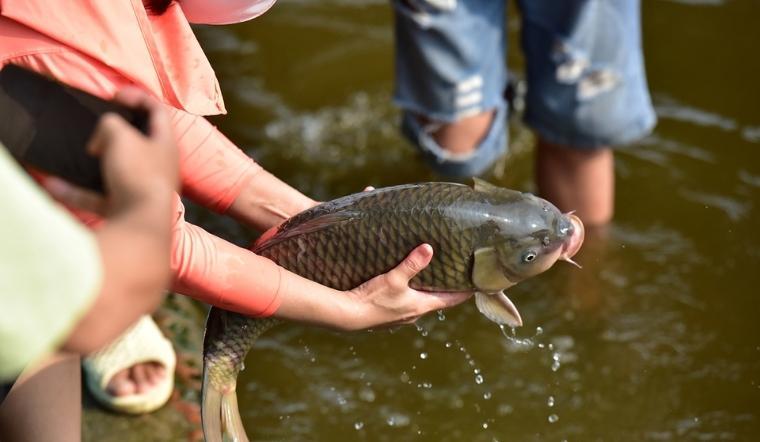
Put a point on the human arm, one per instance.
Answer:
(217, 174)
(140, 175)
(219, 273)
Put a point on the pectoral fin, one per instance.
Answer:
(487, 274)
(498, 308)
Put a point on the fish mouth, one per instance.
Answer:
(574, 242)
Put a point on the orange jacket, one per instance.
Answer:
(102, 46)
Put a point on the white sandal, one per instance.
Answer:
(143, 342)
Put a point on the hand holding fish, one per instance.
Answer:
(383, 301)
(388, 300)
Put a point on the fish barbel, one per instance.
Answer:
(485, 240)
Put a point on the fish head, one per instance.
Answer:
(526, 236)
(533, 234)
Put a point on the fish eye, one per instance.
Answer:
(529, 256)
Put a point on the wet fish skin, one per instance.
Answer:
(345, 242)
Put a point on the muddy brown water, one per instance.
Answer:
(657, 338)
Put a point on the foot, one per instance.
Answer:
(137, 379)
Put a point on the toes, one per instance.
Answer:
(137, 379)
(120, 384)
(155, 372)
(140, 378)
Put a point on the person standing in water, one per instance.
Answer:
(587, 90)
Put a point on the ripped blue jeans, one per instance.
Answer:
(584, 69)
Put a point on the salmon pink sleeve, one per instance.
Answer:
(213, 170)
(222, 274)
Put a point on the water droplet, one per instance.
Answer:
(539, 331)
(476, 371)
(485, 425)
(478, 379)
(423, 355)
(342, 400)
(555, 361)
(553, 418)
(550, 401)
(487, 395)
(448, 344)
(242, 366)
(404, 377)
(441, 316)
(358, 425)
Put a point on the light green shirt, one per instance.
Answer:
(50, 270)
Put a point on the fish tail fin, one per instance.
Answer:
(211, 411)
(226, 342)
(219, 414)
(231, 421)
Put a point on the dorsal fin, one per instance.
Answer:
(484, 186)
(309, 226)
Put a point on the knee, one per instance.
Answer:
(465, 147)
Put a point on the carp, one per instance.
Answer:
(485, 239)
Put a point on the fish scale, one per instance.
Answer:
(345, 242)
